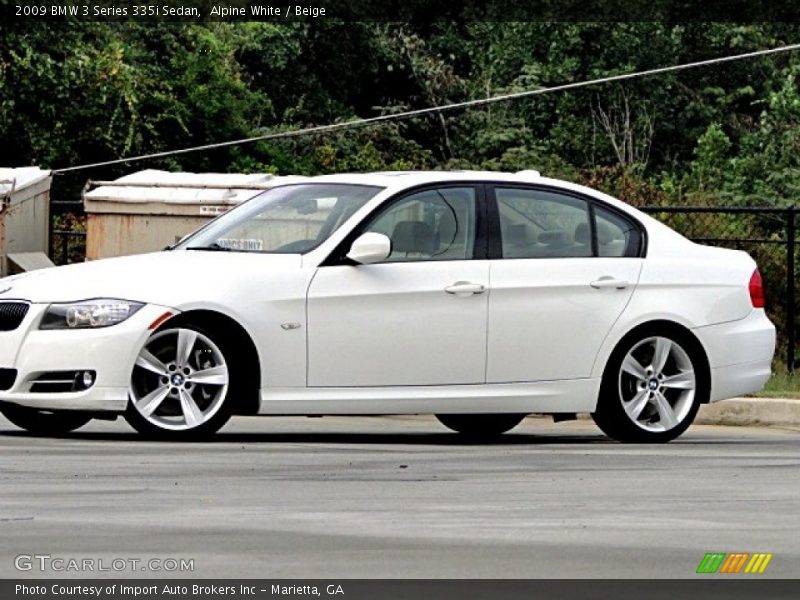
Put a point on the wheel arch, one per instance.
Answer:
(248, 402)
(667, 326)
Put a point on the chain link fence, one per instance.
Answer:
(769, 236)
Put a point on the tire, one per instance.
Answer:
(652, 387)
(481, 426)
(182, 383)
(43, 422)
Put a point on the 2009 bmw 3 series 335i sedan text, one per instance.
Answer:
(478, 297)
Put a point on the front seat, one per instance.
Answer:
(413, 238)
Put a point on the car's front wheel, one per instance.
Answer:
(652, 388)
(180, 385)
(481, 426)
(44, 422)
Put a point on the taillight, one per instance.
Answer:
(756, 290)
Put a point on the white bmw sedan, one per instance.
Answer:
(475, 296)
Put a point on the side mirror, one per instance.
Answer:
(370, 248)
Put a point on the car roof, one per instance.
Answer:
(397, 181)
(405, 179)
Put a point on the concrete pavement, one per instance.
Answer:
(401, 497)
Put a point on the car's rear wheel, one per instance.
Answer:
(44, 422)
(181, 384)
(481, 425)
(652, 388)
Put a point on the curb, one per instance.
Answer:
(765, 412)
(751, 411)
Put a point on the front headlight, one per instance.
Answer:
(88, 314)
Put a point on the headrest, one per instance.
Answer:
(556, 237)
(604, 234)
(583, 235)
(413, 236)
(516, 234)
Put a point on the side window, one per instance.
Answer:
(543, 224)
(430, 225)
(616, 236)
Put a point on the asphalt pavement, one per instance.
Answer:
(398, 497)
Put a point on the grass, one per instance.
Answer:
(782, 385)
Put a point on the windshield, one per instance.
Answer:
(292, 219)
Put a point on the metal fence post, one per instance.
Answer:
(50, 240)
(64, 249)
(791, 308)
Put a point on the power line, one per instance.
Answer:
(437, 109)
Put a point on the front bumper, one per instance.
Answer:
(109, 351)
(740, 354)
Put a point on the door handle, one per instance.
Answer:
(465, 288)
(609, 282)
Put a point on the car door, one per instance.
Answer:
(419, 318)
(565, 270)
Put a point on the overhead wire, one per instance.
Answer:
(436, 109)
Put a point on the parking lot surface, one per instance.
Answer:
(400, 497)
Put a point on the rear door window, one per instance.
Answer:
(543, 224)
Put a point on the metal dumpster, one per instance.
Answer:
(24, 214)
(151, 209)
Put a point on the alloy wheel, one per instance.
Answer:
(180, 380)
(657, 384)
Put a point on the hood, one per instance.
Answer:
(165, 278)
